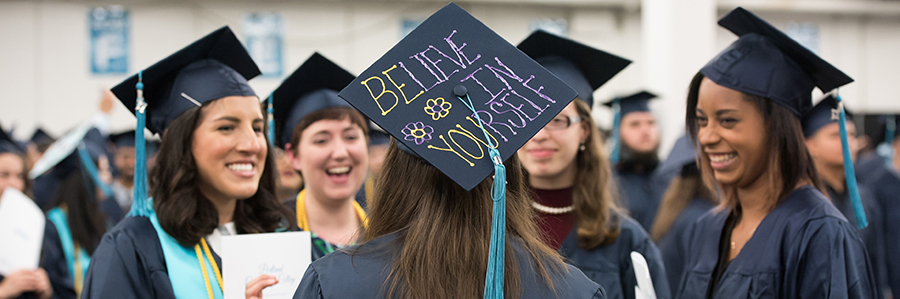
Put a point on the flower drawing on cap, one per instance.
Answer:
(418, 132)
(437, 108)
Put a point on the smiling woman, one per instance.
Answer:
(213, 176)
(743, 114)
(325, 140)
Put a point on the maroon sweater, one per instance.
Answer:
(554, 227)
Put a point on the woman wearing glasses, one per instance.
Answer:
(570, 177)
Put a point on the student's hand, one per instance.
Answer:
(22, 281)
(42, 286)
(255, 287)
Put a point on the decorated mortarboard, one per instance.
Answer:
(123, 139)
(822, 114)
(463, 99)
(582, 67)
(766, 62)
(312, 87)
(637, 102)
(211, 68)
(40, 136)
(9, 145)
(78, 150)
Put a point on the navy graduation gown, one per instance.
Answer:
(804, 248)
(675, 241)
(129, 263)
(636, 192)
(363, 275)
(610, 265)
(887, 197)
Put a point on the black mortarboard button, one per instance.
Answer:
(312, 87)
(582, 67)
(766, 62)
(638, 102)
(822, 114)
(211, 68)
(409, 92)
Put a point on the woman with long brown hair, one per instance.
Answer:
(685, 197)
(571, 178)
(451, 221)
(213, 177)
(775, 235)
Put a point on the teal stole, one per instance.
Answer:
(183, 267)
(76, 258)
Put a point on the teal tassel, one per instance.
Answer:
(493, 283)
(270, 112)
(849, 172)
(88, 164)
(889, 132)
(614, 139)
(141, 206)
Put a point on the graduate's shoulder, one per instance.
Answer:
(631, 231)
(134, 229)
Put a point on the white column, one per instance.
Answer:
(678, 39)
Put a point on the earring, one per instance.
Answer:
(581, 147)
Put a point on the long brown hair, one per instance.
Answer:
(444, 230)
(593, 193)
(789, 162)
(77, 194)
(681, 191)
(183, 211)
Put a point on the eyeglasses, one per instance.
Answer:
(562, 122)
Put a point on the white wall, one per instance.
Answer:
(44, 63)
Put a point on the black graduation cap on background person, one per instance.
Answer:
(682, 160)
(582, 67)
(122, 139)
(637, 102)
(9, 145)
(211, 68)
(822, 114)
(312, 87)
(409, 92)
(40, 136)
(766, 62)
(78, 150)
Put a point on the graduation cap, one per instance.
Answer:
(312, 87)
(378, 136)
(582, 67)
(463, 99)
(9, 145)
(766, 62)
(211, 68)
(40, 136)
(123, 139)
(78, 150)
(637, 102)
(822, 114)
(682, 159)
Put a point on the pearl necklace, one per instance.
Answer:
(551, 210)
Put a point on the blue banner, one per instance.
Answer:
(109, 28)
(264, 36)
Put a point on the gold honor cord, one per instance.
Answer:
(303, 222)
(200, 254)
(79, 277)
